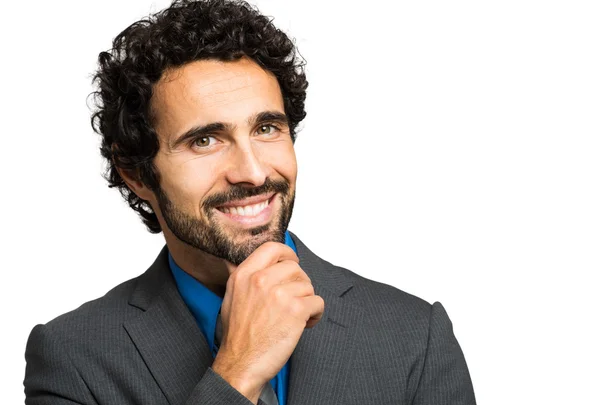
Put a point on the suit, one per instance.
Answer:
(139, 344)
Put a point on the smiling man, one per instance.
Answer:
(197, 110)
(227, 164)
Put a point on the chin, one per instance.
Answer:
(259, 235)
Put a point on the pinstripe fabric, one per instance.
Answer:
(139, 344)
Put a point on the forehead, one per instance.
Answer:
(208, 91)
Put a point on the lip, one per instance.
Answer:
(246, 221)
(248, 201)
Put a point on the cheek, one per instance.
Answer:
(282, 159)
(187, 183)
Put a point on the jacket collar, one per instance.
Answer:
(177, 354)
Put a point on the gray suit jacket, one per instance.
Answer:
(139, 344)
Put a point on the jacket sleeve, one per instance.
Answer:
(214, 390)
(50, 376)
(52, 379)
(445, 378)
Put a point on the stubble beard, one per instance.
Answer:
(211, 236)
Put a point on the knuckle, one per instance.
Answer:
(301, 274)
(296, 308)
(279, 294)
(258, 279)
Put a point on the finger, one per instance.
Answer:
(266, 255)
(283, 272)
(293, 289)
(316, 307)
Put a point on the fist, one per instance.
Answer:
(268, 303)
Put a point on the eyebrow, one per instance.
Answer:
(204, 130)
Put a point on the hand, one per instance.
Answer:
(268, 303)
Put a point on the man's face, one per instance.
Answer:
(223, 138)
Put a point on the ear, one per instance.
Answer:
(137, 186)
(131, 178)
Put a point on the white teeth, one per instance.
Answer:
(257, 208)
(248, 210)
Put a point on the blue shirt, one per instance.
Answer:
(205, 306)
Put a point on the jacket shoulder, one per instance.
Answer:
(101, 314)
(384, 300)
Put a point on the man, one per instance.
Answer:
(198, 107)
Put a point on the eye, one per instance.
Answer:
(202, 141)
(266, 129)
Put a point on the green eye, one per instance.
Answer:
(266, 129)
(202, 141)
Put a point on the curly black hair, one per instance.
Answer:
(186, 31)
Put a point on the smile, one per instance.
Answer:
(254, 214)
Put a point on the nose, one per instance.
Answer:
(246, 166)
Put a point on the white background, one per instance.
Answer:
(451, 149)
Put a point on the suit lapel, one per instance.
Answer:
(166, 334)
(322, 360)
(177, 354)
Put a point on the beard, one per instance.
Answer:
(211, 236)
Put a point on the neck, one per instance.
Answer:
(213, 272)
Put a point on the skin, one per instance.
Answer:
(230, 165)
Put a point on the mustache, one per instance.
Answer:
(239, 192)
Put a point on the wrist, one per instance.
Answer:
(238, 379)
